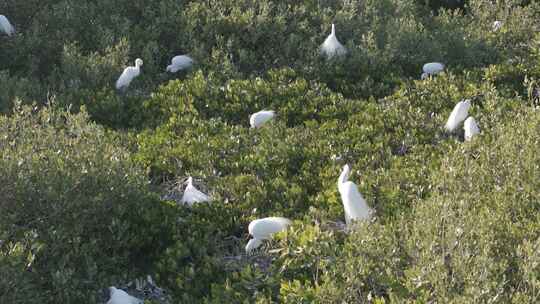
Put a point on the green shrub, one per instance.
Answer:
(202, 242)
(445, 4)
(80, 209)
(13, 89)
(290, 166)
(82, 51)
(474, 240)
(74, 208)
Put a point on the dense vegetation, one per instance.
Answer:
(84, 169)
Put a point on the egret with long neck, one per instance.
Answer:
(331, 46)
(354, 204)
(193, 195)
(129, 74)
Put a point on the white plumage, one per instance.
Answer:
(471, 128)
(258, 119)
(331, 46)
(193, 195)
(5, 26)
(118, 296)
(497, 24)
(432, 68)
(253, 244)
(180, 62)
(129, 74)
(354, 204)
(459, 113)
(262, 229)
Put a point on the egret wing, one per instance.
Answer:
(264, 228)
(193, 195)
(125, 78)
(6, 25)
(354, 204)
(459, 113)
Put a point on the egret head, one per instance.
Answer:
(346, 171)
(253, 244)
(424, 76)
(344, 175)
(169, 68)
(467, 104)
(138, 62)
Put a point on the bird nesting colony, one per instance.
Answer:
(269, 151)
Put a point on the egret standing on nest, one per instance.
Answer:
(180, 62)
(129, 74)
(459, 113)
(193, 195)
(5, 26)
(354, 204)
(331, 46)
(262, 229)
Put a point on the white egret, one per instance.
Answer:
(262, 229)
(497, 24)
(180, 62)
(354, 204)
(129, 74)
(5, 26)
(432, 68)
(331, 46)
(258, 119)
(193, 195)
(471, 128)
(459, 113)
(118, 296)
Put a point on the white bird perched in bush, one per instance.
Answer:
(262, 229)
(118, 296)
(258, 119)
(331, 46)
(354, 204)
(5, 26)
(471, 128)
(180, 62)
(432, 68)
(129, 74)
(497, 24)
(459, 113)
(193, 195)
